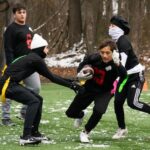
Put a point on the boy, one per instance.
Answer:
(20, 69)
(107, 67)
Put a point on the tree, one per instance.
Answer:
(75, 22)
(91, 22)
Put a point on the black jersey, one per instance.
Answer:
(125, 49)
(26, 66)
(17, 40)
(104, 73)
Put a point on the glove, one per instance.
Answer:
(85, 73)
(77, 88)
(114, 87)
(115, 57)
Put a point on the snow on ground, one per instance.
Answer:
(70, 58)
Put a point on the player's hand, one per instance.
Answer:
(115, 57)
(114, 87)
(85, 73)
(77, 88)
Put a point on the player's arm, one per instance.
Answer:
(85, 61)
(124, 47)
(42, 69)
(121, 69)
(8, 45)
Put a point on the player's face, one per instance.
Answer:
(106, 54)
(46, 50)
(20, 16)
(112, 26)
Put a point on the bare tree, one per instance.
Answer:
(136, 19)
(91, 21)
(75, 22)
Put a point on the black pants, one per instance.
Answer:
(82, 101)
(34, 102)
(131, 92)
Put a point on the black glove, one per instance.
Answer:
(77, 88)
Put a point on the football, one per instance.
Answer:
(85, 73)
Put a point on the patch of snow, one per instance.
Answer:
(44, 121)
(70, 58)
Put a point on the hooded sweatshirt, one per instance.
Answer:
(27, 65)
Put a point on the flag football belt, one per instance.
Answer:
(6, 84)
(123, 84)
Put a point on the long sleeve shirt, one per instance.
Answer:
(104, 73)
(26, 66)
(17, 40)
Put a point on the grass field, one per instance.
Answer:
(64, 136)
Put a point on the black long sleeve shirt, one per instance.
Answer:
(124, 46)
(17, 40)
(26, 66)
(104, 73)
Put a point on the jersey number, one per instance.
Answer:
(100, 76)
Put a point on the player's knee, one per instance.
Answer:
(131, 105)
(70, 114)
(36, 102)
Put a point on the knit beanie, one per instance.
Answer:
(38, 44)
(38, 41)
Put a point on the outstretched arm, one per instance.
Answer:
(42, 69)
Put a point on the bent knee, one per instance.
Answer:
(131, 105)
(70, 114)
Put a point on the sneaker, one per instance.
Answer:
(78, 121)
(84, 137)
(8, 122)
(121, 133)
(39, 136)
(28, 140)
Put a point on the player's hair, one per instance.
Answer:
(109, 43)
(18, 7)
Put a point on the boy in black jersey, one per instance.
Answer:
(20, 69)
(107, 67)
(132, 86)
(17, 41)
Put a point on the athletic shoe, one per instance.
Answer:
(39, 136)
(120, 133)
(84, 137)
(78, 121)
(7, 122)
(28, 140)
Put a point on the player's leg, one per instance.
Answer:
(119, 111)
(33, 83)
(24, 96)
(101, 102)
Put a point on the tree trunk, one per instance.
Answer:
(136, 19)
(91, 22)
(75, 22)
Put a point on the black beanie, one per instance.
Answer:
(121, 23)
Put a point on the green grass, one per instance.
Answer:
(64, 137)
